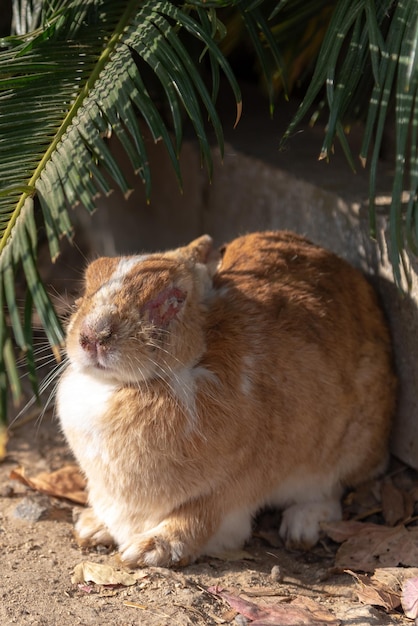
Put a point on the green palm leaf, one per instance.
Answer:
(75, 72)
(58, 105)
(371, 47)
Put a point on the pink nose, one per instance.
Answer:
(94, 338)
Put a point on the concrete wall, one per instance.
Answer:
(255, 187)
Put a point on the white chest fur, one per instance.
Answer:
(82, 401)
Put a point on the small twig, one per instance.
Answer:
(268, 593)
(135, 605)
(191, 609)
(366, 514)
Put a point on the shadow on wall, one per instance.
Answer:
(402, 313)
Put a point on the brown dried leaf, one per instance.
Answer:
(373, 592)
(88, 572)
(365, 498)
(227, 616)
(394, 577)
(341, 531)
(368, 546)
(299, 611)
(67, 482)
(321, 615)
(393, 503)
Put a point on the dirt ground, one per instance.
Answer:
(37, 559)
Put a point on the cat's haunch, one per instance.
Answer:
(202, 386)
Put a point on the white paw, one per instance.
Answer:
(300, 527)
(233, 532)
(154, 548)
(89, 530)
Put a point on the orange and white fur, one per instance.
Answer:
(201, 387)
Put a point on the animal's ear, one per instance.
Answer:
(98, 273)
(165, 306)
(201, 250)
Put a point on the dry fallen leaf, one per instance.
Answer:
(341, 531)
(394, 577)
(299, 611)
(410, 598)
(368, 546)
(393, 503)
(88, 572)
(364, 500)
(67, 482)
(371, 591)
(389, 587)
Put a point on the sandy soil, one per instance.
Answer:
(37, 559)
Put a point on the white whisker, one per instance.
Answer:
(52, 376)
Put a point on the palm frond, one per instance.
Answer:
(58, 105)
(73, 73)
(370, 48)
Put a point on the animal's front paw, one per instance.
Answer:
(154, 549)
(301, 523)
(90, 531)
